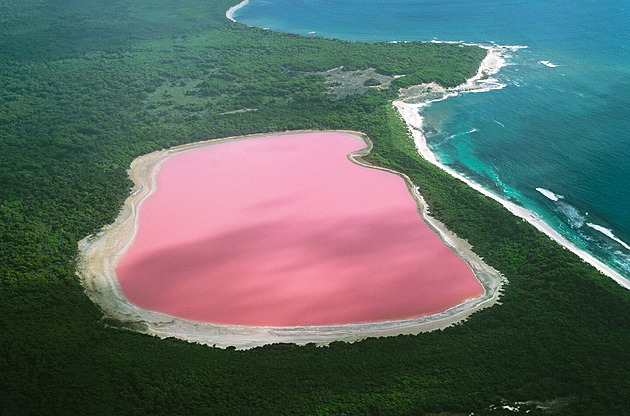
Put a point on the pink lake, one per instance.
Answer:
(286, 231)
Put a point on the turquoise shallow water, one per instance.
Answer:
(562, 128)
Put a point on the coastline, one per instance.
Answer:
(413, 98)
(230, 12)
(99, 254)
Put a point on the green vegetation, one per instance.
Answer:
(86, 86)
(372, 82)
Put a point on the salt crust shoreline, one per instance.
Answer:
(99, 254)
(417, 97)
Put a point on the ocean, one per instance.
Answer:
(555, 139)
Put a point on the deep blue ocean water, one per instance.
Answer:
(563, 129)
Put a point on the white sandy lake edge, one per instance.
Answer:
(483, 81)
(99, 254)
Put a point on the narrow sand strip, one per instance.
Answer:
(230, 12)
(99, 254)
(408, 108)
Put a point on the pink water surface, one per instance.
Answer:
(286, 231)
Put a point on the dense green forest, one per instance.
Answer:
(88, 85)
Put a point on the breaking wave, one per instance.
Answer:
(608, 233)
(549, 194)
(549, 64)
(572, 215)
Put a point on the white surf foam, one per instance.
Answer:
(608, 233)
(452, 136)
(549, 194)
(548, 64)
(573, 216)
(483, 80)
(409, 112)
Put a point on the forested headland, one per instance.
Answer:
(86, 86)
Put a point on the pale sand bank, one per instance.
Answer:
(412, 99)
(230, 12)
(99, 255)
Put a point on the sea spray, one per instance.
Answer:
(608, 233)
(549, 194)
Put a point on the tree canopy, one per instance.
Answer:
(86, 86)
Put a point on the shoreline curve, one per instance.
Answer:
(414, 98)
(482, 81)
(230, 12)
(99, 254)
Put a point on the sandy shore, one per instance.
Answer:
(416, 97)
(99, 254)
(230, 12)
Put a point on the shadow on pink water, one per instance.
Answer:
(286, 231)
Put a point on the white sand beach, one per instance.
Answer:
(230, 12)
(408, 107)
